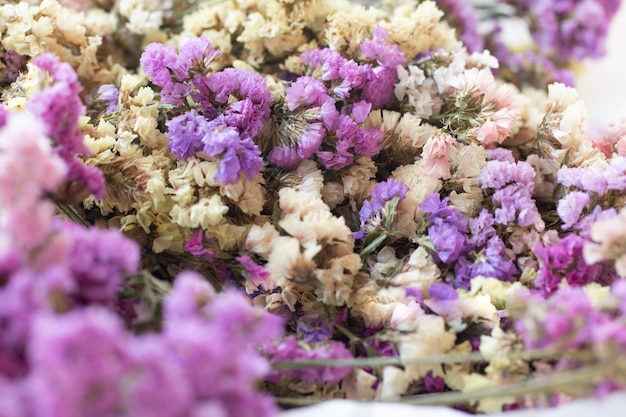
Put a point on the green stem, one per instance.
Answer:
(375, 243)
(429, 359)
(537, 384)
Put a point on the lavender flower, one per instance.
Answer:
(290, 350)
(59, 107)
(301, 124)
(565, 320)
(196, 246)
(490, 261)
(513, 188)
(99, 261)
(462, 16)
(109, 94)
(186, 133)
(571, 207)
(448, 228)
(378, 213)
(378, 87)
(564, 261)
(236, 154)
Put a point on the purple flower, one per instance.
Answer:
(481, 229)
(251, 110)
(462, 16)
(59, 107)
(442, 292)
(255, 272)
(490, 261)
(590, 180)
(160, 62)
(307, 92)
(330, 60)
(447, 240)
(109, 94)
(564, 260)
(195, 246)
(313, 329)
(385, 54)
(78, 360)
(565, 321)
(195, 54)
(439, 212)
(353, 76)
(290, 350)
(306, 145)
(99, 261)
(384, 199)
(571, 207)
(236, 155)
(378, 86)
(185, 133)
(496, 174)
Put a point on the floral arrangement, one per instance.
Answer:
(215, 208)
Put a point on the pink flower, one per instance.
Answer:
(488, 132)
(436, 156)
(610, 235)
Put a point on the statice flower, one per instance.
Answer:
(436, 156)
(513, 188)
(378, 213)
(609, 242)
(351, 139)
(236, 155)
(109, 94)
(99, 259)
(565, 320)
(307, 116)
(235, 104)
(462, 16)
(175, 72)
(59, 106)
(292, 350)
(378, 88)
(564, 261)
(31, 169)
(196, 246)
(78, 361)
(448, 228)
(240, 96)
(256, 273)
(571, 207)
(490, 261)
(186, 133)
(569, 30)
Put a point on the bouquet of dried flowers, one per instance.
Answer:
(208, 208)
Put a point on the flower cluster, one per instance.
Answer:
(342, 193)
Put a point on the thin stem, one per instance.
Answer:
(71, 214)
(537, 384)
(429, 359)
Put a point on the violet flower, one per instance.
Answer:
(447, 230)
(378, 213)
(196, 246)
(290, 350)
(59, 107)
(461, 15)
(564, 260)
